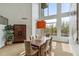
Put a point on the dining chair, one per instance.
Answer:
(28, 49)
(45, 48)
(50, 44)
(32, 37)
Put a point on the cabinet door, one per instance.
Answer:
(19, 33)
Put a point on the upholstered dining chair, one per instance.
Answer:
(46, 48)
(33, 38)
(28, 49)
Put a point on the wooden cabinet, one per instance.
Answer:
(19, 33)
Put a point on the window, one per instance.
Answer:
(46, 12)
(65, 7)
(58, 14)
(65, 26)
(50, 10)
(51, 27)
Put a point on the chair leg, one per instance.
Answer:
(46, 53)
(37, 53)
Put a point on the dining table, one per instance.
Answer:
(39, 42)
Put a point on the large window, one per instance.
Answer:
(65, 8)
(51, 27)
(58, 14)
(50, 10)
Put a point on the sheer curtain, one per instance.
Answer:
(73, 22)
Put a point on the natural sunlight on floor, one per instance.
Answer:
(66, 48)
(61, 49)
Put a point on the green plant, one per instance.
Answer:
(8, 27)
(9, 35)
(44, 5)
(9, 32)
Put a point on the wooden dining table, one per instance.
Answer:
(39, 42)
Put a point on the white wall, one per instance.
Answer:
(15, 12)
(35, 17)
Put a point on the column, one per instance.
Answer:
(58, 21)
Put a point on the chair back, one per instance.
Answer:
(31, 37)
(44, 48)
(47, 43)
(51, 44)
(51, 41)
(27, 48)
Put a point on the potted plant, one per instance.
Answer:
(9, 34)
(44, 5)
